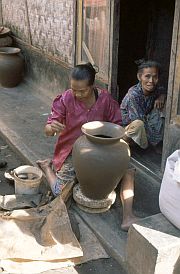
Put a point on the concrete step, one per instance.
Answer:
(106, 227)
(147, 189)
(158, 244)
(153, 173)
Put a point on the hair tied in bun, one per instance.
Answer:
(139, 61)
(142, 64)
(94, 67)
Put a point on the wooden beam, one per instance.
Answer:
(1, 14)
(89, 56)
(28, 22)
(75, 29)
(176, 89)
(172, 72)
(114, 47)
(79, 30)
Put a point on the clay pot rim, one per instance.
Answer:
(101, 139)
(4, 32)
(9, 50)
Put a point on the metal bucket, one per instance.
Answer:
(27, 186)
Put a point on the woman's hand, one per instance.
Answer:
(57, 127)
(53, 128)
(160, 101)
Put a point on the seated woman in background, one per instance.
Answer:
(141, 108)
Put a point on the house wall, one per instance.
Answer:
(44, 30)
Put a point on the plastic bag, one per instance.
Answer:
(169, 198)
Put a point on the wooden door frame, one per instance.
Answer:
(114, 48)
(1, 15)
(171, 83)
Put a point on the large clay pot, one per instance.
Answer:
(5, 39)
(11, 67)
(100, 162)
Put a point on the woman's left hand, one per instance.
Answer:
(160, 101)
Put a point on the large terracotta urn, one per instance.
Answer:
(11, 66)
(100, 158)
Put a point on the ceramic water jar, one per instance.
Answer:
(100, 158)
(5, 39)
(11, 66)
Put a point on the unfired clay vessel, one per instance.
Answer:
(11, 67)
(100, 162)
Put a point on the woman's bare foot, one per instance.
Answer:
(130, 173)
(128, 222)
(46, 167)
(44, 164)
(127, 194)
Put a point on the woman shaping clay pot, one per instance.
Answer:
(82, 103)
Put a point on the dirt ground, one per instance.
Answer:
(13, 161)
(104, 266)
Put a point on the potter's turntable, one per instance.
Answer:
(90, 205)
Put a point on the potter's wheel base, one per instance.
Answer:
(93, 206)
(93, 210)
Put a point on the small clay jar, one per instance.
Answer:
(100, 158)
(11, 66)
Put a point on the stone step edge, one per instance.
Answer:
(112, 252)
(146, 170)
(17, 145)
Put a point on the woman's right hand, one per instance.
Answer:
(53, 128)
(57, 127)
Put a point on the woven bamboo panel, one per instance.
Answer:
(47, 25)
(15, 17)
(51, 24)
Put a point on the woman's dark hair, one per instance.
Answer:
(142, 64)
(84, 72)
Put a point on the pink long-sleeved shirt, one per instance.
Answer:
(73, 114)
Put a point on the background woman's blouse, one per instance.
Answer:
(73, 114)
(136, 106)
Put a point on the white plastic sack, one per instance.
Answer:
(169, 198)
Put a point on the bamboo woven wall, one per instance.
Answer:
(47, 25)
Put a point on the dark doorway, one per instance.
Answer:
(133, 39)
(145, 32)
